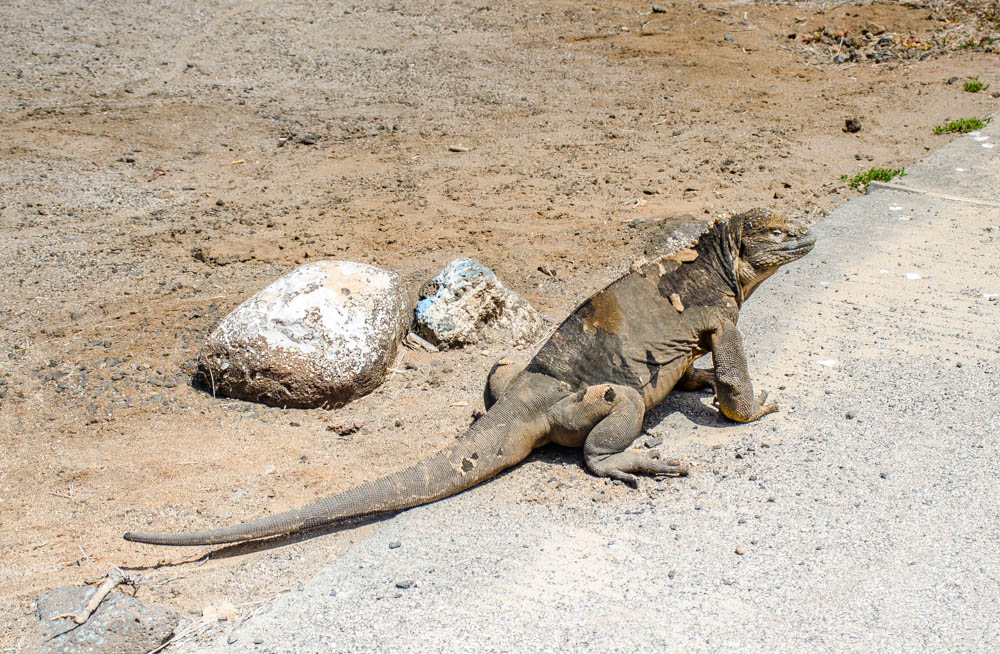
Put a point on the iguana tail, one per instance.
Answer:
(498, 440)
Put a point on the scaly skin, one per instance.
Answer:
(620, 353)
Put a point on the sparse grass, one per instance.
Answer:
(961, 126)
(861, 180)
(975, 86)
(977, 45)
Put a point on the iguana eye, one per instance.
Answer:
(777, 234)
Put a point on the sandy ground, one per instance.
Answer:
(163, 162)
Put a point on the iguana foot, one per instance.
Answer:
(621, 466)
(765, 408)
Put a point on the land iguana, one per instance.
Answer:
(589, 385)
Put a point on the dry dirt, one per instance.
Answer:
(163, 161)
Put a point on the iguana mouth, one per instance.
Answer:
(801, 244)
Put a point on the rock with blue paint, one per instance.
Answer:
(320, 336)
(466, 303)
(120, 624)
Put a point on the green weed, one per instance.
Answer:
(975, 86)
(861, 180)
(977, 45)
(961, 126)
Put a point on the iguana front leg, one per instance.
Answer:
(610, 417)
(733, 388)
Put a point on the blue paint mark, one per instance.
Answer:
(452, 282)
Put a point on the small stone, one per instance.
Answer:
(307, 139)
(883, 475)
(405, 584)
(466, 303)
(650, 190)
(739, 551)
(852, 125)
(849, 415)
(659, 10)
(121, 623)
(344, 428)
(953, 79)
(202, 254)
(220, 203)
(671, 574)
(395, 545)
(655, 441)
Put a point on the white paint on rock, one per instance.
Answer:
(308, 311)
(320, 335)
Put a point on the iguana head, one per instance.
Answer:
(768, 242)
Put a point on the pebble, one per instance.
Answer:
(344, 428)
(739, 551)
(395, 545)
(655, 441)
(405, 584)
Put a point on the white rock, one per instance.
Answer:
(319, 336)
(466, 303)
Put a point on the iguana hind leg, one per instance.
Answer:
(499, 379)
(733, 388)
(695, 379)
(611, 417)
